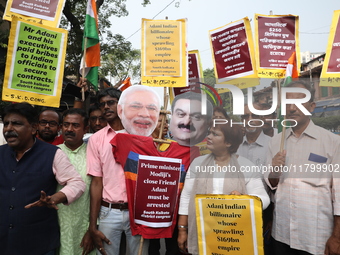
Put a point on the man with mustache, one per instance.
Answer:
(29, 173)
(74, 219)
(188, 125)
(307, 208)
(49, 126)
(96, 119)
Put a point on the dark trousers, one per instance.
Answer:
(170, 244)
(50, 253)
(267, 218)
(284, 249)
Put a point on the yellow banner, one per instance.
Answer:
(47, 12)
(330, 74)
(276, 37)
(35, 64)
(164, 60)
(229, 224)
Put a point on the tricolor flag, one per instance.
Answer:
(291, 73)
(91, 58)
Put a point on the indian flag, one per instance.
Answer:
(291, 70)
(91, 58)
(291, 73)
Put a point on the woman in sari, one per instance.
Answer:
(223, 142)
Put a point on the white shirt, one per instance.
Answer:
(306, 199)
(2, 138)
(253, 181)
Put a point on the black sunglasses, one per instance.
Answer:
(109, 103)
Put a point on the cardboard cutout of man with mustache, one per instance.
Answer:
(188, 125)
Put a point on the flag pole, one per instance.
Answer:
(83, 70)
(140, 251)
(278, 108)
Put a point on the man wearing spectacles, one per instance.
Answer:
(108, 181)
(97, 120)
(49, 127)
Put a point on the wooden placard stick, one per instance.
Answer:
(163, 113)
(283, 132)
(83, 70)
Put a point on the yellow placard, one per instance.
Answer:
(35, 64)
(164, 61)
(331, 67)
(229, 224)
(276, 38)
(40, 12)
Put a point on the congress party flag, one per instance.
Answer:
(34, 64)
(91, 58)
(330, 74)
(276, 37)
(45, 12)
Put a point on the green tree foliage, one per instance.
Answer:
(4, 33)
(111, 45)
(119, 60)
(74, 20)
(331, 123)
(209, 76)
(210, 79)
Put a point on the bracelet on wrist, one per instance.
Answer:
(182, 226)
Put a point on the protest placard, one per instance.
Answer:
(156, 191)
(45, 12)
(233, 54)
(195, 75)
(35, 64)
(229, 224)
(164, 58)
(195, 67)
(276, 39)
(330, 74)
